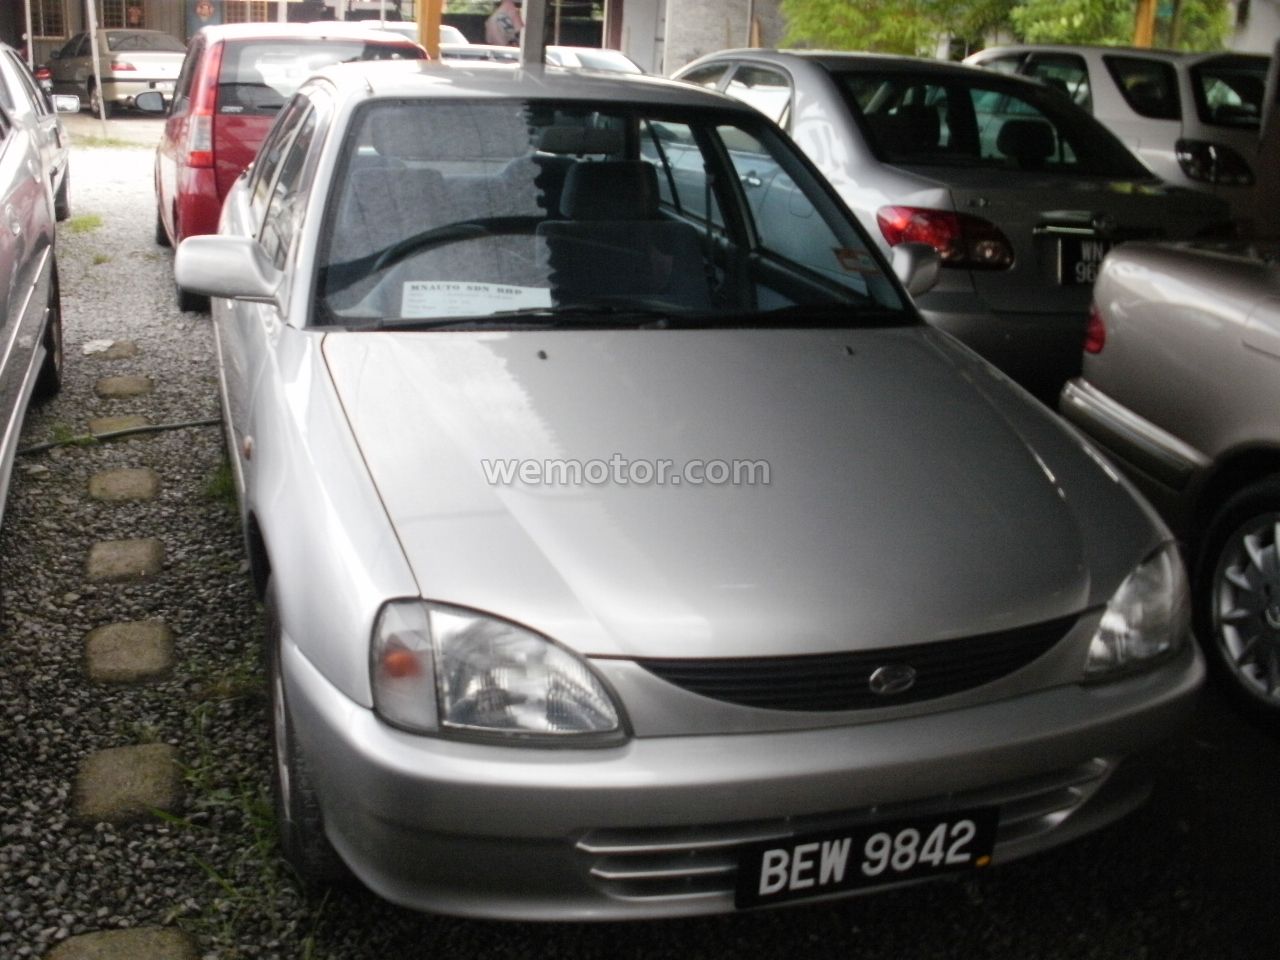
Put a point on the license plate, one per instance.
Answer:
(870, 855)
(164, 86)
(1079, 259)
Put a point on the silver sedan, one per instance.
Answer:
(630, 548)
(1021, 191)
(1181, 384)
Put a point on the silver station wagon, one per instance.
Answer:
(629, 545)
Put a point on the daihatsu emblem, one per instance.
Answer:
(891, 679)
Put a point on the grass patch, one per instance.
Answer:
(65, 435)
(86, 223)
(111, 142)
(221, 486)
(100, 258)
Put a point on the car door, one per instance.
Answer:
(26, 242)
(267, 204)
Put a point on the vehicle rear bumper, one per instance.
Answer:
(654, 827)
(124, 91)
(1041, 351)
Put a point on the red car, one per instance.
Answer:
(234, 80)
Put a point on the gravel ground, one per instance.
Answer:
(1194, 874)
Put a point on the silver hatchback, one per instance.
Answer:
(630, 547)
(1020, 191)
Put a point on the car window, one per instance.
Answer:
(1229, 90)
(258, 76)
(956, 121)
(120, 41)
(769, 91)
(1064, 72)
(1150, 87)
(288, 195)
(462, 209)
(272, 153)
(72, 47)
(30, 89)
(186, 76)
(708, 76)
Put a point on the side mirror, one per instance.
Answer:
(917, 266)
(66, 103)
(150, 101)
(235, 268)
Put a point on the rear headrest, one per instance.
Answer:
(611, 190)
(909, 130)
(1027, 141)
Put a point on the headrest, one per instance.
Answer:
(909, 130)
(611, 190)
(1027, 141)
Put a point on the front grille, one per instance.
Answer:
(841, 681)
(702, 862)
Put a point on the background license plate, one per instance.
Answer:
(871, 854)
(1079, 259)
(164, 86)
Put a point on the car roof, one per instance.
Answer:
(424, 78)
(316, 30)
(1153, 53)
(842, 58)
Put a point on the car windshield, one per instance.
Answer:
(949, 120)
(564, 212)
(144, 40)
(258, 76)
(1229, 90)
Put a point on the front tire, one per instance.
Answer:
(301, 825)
(49, 380)
(1238, 599)
(162, 236)
(96, 105)
(62, 200)
(189, 302)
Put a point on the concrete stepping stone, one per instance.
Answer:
(110, 349)
(127, 783)
(115, 561)
(133, 483)
(102, 425)
(119, 388)
(141, 943)
(129, 652)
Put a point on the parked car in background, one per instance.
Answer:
(1021, 192)
(1193, 118)
(233, 83)
(30, 303)
(409, 30)
(37, 111)
(1181, 385)
(579, 58)
(130, 62)
(505, 685)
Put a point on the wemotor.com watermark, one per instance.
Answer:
(621, 471)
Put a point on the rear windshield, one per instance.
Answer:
(258, 76)
(118, 40)
(1229, 90)
(982, 121)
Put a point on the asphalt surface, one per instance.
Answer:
(1194, 874)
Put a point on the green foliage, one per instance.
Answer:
(914, 26)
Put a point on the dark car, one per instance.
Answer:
(30, 308)
(233, 82)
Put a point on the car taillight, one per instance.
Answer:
(1095, 331)
(1213, 163)
(204, 101)
(122, 66)
(962, 240)
(44, 73)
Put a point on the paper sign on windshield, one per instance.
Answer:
(447, 298)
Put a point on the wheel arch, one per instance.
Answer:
(1241, 468)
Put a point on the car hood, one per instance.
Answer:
(908, 497)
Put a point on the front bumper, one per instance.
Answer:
(652, 828)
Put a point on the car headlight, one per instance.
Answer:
(1146, 619)
(443, 669)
